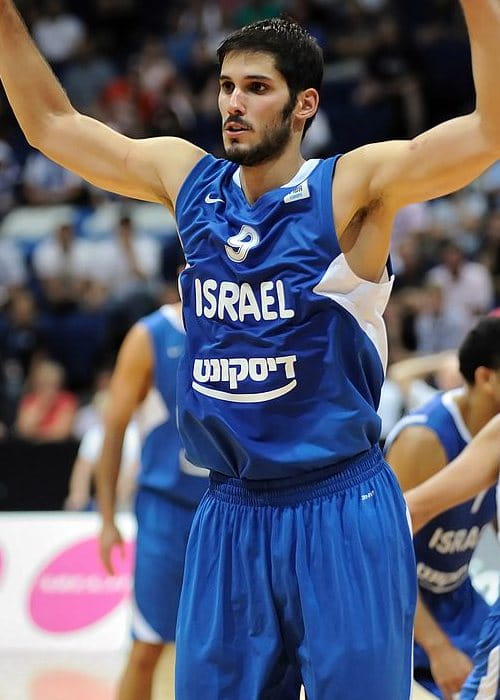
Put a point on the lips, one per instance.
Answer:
(235, 128)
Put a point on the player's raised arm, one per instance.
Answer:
(378, 179)
(476, 468)
(140, 168)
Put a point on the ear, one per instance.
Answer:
(482, 377)
(307, 104)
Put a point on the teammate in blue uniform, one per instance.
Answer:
(450, 613)
(470, 474)
(300, 565)
(143, 386)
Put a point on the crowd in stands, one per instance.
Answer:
(78, 266)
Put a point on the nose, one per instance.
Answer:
(236, 103)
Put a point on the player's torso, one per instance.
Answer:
(278, 355)
(444, 547)
(164, 466)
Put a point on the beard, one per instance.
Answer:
(272, 145)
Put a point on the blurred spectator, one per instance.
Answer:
(80, 496)
(21, 336)
(390, 82)
(127, 106)
(437, 327)
(466, 286)
(9, 176)
(490, 254)
(155, 70)
(489, 183)
(21, 343)
(128, 262)
(419, 377)
(408, 263)
(46, 182)
(86, 76)
(57, 32)
(174, 112)
(181, 40)
(46, 413)
(13, 273)
(411, 220)
(62, 265)
(89, 413)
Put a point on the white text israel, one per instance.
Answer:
(228, 300)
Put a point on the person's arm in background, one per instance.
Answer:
(80, 484)
(415, 456)
(406, 371)
(129, 385)
(149, 169)
(476, 468)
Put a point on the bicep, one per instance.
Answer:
(435, 163)
(147, 169)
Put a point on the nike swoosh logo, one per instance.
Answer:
(211, 200)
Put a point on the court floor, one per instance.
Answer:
(73, 676)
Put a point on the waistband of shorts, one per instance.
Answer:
(293, 490)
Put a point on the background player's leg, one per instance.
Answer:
(137, 680)
(163, 528)
(229, 642)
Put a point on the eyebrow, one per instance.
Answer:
(247, 77)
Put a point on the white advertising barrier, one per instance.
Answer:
(54, 592)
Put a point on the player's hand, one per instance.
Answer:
(109, 538)
(450, 667)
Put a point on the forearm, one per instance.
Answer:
(483, 23)
(108, 469)
(427, 632)
(32, 89)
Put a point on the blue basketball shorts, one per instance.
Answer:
(162, 534)
(306, 583)
(460, 614)
(484, 680)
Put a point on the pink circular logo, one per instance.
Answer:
(74, 591)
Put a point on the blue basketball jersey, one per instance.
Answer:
(444, 547)
(164, 466)
(286, 347)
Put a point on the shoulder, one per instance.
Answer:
(416, 455)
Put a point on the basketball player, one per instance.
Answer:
(300, 564)
(169, 488)
(450, 613)
(473, 472)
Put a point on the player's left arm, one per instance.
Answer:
(380, 178)
(476, 468)
(129, 385)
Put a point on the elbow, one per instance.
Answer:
(490, 129)
(49, 131)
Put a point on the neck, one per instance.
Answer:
(476, 409)
(259, 179)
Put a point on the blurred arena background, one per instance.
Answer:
(79, 266)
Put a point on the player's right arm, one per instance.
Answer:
(416, 455)
(130, 382)
(476, 468)
(148, 169)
